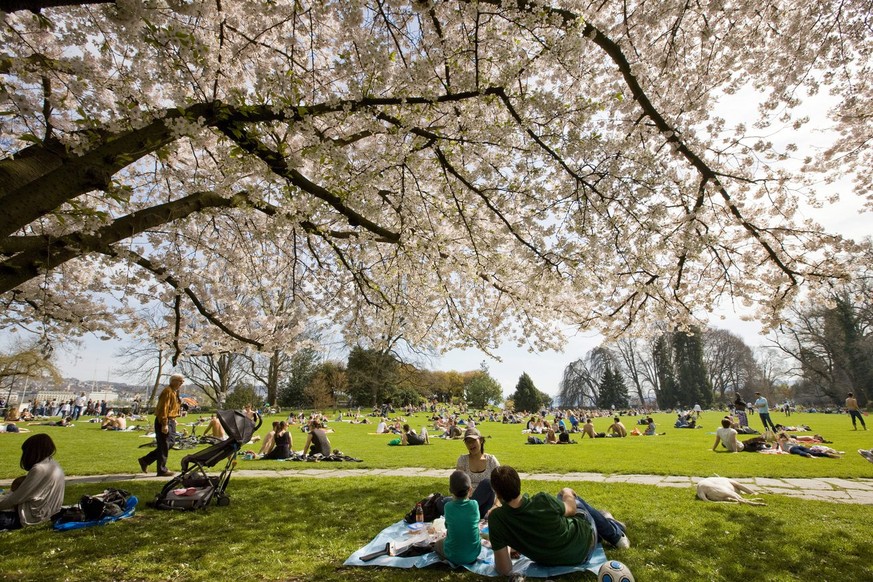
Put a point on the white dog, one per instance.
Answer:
(724, 489)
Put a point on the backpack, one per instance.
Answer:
(110, 503)
(430, 505)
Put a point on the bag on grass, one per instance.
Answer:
(430, 505)
(110, 503)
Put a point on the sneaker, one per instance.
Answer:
(623, 543)
(866, 454)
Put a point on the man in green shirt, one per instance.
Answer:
(552, 531)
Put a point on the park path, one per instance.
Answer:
(857, 491)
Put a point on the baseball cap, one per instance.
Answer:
(472, 433)
(459, 484)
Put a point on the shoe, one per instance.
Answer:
(623, 543)
(166, 474)
(143, 465)
(866, 454)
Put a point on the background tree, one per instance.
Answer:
(240, 395)
(692, 379)
(633, 358)
(613, 391)
(29, 362)
(664, 371)
(215, 375)
(300, 369)
(372, 376)
(834, 345)
(730, 363)
(328, 379)
(481, 390)
(526, 396)
(580, 385)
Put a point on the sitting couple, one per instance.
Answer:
(552, 531)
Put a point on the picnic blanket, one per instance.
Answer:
(484, 564)
(129, 510)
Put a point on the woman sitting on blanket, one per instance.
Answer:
(282, 440)
(317, 437)
(35, 497)
(478, 465)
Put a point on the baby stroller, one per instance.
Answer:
(193, 488)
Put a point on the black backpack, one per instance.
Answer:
(430, 505)
(110, 503)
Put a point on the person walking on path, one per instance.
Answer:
(764, 412)
(854, 411)
(168, 409)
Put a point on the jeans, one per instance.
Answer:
(857, 415)
(77, 412)
(607, 529)
(765, 419)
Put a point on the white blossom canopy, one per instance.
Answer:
(449, 172)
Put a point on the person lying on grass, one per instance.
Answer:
(552, 531)
(789, 445)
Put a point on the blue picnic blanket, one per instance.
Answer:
(129, 510)
(484, 564)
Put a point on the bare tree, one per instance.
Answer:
(730, 363)
(215, 375)
(635, 362)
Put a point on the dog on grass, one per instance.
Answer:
(724, 489)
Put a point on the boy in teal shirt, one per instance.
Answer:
(461, 544)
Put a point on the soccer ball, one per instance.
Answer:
(614, 571)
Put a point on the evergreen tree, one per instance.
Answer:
(302, 366)
(481, 389)
(526, 395)
(692, 381)
(613, 391)
(662, 359)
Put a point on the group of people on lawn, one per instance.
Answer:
(560, 530)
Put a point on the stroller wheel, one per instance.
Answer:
(222, 501)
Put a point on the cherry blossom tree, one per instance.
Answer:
(449, 172)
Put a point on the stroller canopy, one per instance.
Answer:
(237, 425)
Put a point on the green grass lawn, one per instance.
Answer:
(304, 528)
(86, 450)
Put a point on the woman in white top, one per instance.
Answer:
(478, 464)
(38, 495)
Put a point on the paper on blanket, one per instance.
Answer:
(484, 564)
